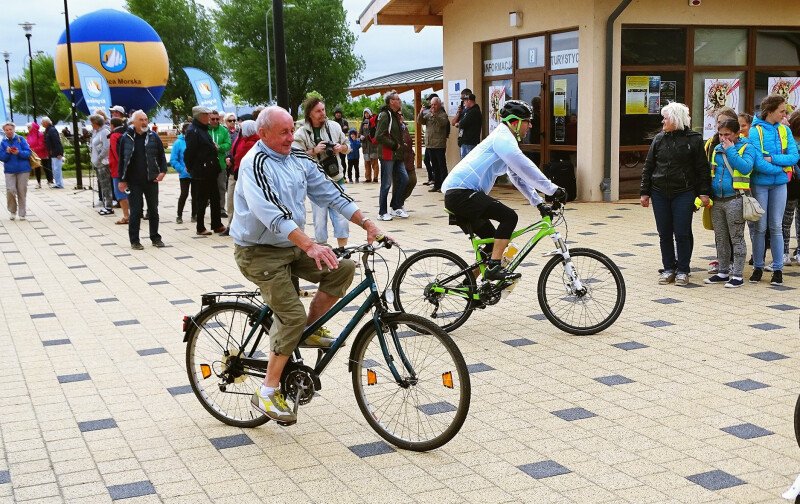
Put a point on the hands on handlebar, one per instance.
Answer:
(557, 200)
(381, 241)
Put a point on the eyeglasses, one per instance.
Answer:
(230, 120)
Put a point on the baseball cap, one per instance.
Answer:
(118, 108)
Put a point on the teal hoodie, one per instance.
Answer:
(766, 173)
(722, 183)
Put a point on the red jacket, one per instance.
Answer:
(242, 147)
(36, 141)
(113, 155)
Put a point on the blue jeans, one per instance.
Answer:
(321, 214)
(388, 170)
(465, 149)
(773, 201)
(58, 178)
(674, 222)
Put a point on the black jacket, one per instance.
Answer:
(153, 151)
(53, 142)
(201, 153)
(470, 125)
(676, 163)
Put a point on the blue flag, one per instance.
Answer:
(205, 89)
(3, 116)
(94, 87)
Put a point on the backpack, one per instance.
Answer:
(373, 126)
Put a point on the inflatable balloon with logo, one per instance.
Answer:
(124, 49)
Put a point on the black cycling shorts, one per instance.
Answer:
(477, 209)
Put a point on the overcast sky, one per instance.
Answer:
(385, 49)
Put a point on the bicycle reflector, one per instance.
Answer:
(205, 369)
(447, 379)
(372, 377)
(185, 322)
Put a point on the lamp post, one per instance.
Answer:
(269, 64)
(280, 55)
(27, 26)
(76, 143)
(6, 55)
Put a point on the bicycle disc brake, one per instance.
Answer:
(299, 383)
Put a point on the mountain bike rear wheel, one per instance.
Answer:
(413, 286)
(429, 405)
(219, 381)
(587, 312)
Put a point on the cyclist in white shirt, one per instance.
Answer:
(467, 186)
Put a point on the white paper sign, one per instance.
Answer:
(560, 60)
(718, 93)
(454, 89)
(500, 66)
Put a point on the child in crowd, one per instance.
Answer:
(731, 163)
(353, 157)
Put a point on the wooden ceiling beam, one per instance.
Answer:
(409, 20)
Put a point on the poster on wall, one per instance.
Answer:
(454, 89)
(497, 98)
(718, 93)
(789, 88)
(669, 92)
(560, 109)
(642, 94)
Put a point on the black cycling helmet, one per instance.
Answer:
(516, 110)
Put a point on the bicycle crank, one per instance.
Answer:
(299, 383)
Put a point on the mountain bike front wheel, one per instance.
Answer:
(218, 379)
(418, 283)
(596, 306)
(428, 405)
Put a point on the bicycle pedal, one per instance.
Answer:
(285, 424)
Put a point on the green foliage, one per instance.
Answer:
(188, 33)
(69, 158)
(356, 108)
(51, 102)
(319, 49)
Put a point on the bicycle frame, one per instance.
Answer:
(373, 300)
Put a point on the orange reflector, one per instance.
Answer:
(205, 369)
(372, 377)
(447, 379)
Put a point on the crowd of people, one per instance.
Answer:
(747, 156)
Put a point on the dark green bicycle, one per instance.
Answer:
(409, 378)
(580, 291)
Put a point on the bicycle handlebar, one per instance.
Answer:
(380, 242)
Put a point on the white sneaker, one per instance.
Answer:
(768, 267)
(400, 212)
(787, 260)
(22, 217)
(12, 216)
(385, 217)
(797, 258)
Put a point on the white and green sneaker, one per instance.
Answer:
(321, 338)
(274, 406)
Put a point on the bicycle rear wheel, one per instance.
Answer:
(223, 386)
(582, 313)
(429, 406)
(797, 421)
(416, 278)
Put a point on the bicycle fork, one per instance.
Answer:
(574, 286)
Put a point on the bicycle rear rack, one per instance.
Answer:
(210, 298)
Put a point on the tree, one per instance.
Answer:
(188, 33)
(49, 99)
(319, 50)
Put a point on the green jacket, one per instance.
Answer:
(437, 127)
(222, 137)
(389, 135)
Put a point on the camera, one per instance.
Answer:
(329, 149)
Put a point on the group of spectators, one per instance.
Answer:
(746, 156)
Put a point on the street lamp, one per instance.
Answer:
(6, 55)
(27, 26)
(269, 65)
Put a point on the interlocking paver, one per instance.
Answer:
(715, 480)
(130, 490)
(636, 448)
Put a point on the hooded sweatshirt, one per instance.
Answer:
(36, 141)
(764, 172)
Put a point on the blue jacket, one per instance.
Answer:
(176, 158)
(722, 184)
(766, 173)
(15, 163)
(355, 146)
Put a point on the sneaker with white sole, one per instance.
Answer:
(321, 338)
(12, 216)
(681, 279)
(400, 212)
(716, 279)
(385, 217)
(733, 283)
(666, 277)
(787, 259)
(274, 406)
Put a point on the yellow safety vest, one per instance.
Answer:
(740, 181)
(784, 135)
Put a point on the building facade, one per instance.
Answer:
(597, 98)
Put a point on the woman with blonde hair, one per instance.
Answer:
(675, 172)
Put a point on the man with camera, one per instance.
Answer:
(437, 127)
(469, 121)
(324, 140)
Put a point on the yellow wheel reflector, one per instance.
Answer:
(372, 377)
(205, 369)
(447, 379)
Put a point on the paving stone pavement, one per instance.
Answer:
(688, 398)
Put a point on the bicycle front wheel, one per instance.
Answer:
(428, 406)
(219, 381)
(587, 312)
(415, 283)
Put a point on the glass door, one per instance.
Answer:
(532, 92)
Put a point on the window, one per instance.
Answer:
(530, 52)
(497, 59)
(653, 46)
(564, 109)
(564, 50)
(721, 92)
(640, 128)
(763, 87)
(777, 48)
(720, 46)
(492, 109)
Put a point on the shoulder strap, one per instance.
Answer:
(730, 170)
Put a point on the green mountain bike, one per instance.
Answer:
(580, 291)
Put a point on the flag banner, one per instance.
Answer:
(96, 92)
(205, 89)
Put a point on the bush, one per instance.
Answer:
(69, 158)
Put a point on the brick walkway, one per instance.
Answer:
(687, 398)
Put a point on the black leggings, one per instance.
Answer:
(186, 184)
(477, 209)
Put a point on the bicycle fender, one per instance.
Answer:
(362, 333)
